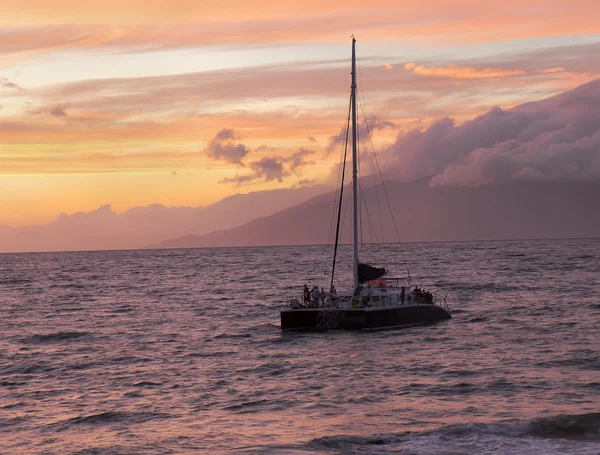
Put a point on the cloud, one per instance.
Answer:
(55, 111)
(238, 180)
(297, 159)
(264, 148)
(270, 168)
(556, 139)
(211, 23)
(183, 110)
(237, 91)
(557, 69)
(226, 146)
(373, 124)
(4, 82)
(462, 72)
(305, 182)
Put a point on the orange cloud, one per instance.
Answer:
(462, 72)
(163, 12)
(276, 105)
(558, 69)
(35, 26)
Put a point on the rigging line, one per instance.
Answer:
(337, 232)
(339, 183)
(384, 187)
(363, 201)
(344, 216)
(358, 177)
(337, 187)
(360, 100)
(391, 213)
(371, 225)
(379, 211)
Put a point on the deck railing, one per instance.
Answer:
(330, 301)
(341, 301)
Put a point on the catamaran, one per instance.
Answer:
(375, 301)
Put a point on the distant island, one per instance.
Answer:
(493, 212)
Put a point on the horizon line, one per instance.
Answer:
(305, 245)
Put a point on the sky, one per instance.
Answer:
(131, 103)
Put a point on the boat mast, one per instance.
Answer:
(354, 166)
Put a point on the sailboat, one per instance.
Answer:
(375, 301)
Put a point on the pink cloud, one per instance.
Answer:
(55, 111)
(226, 146)
(271, 168)
(556, 139)
(187, 94)
(365, 131)
(5, 83)
(175, 112)
(202, 24)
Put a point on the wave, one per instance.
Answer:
(584, 256)
(27, 368)
(591, 362)
(592, 385)
(12, 421)
(103, 450)
(540, 435)
(147, 384)
(581, 426)
(55, 337)
(9, 281)
(578, 426)
(11, 384)
(108, 417)
(246, 405)
(514, 255)
(232, 335)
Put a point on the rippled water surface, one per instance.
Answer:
(180, 352)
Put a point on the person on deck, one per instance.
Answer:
(429, 298)
(322, 296)
(306, 295)
(315, 294)
(402, 293)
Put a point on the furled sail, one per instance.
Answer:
(369, 273)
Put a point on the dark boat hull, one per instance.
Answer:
(361, 318)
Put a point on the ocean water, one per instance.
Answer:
(180, 352)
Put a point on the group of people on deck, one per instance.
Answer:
(418, 296)
(316, 297)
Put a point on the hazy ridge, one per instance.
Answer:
(423, 213)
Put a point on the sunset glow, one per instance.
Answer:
(133, 103)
